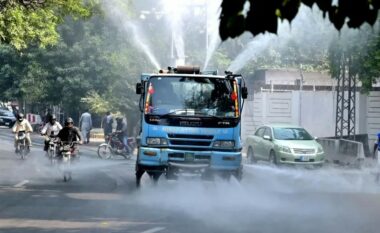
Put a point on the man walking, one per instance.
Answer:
(85, 125)
(107, 124)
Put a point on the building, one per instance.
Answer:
(307, 99)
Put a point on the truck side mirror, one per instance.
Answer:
(244, 92)
(138, 88)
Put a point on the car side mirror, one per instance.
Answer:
(267, 137)
(138, 88)
(244, 92)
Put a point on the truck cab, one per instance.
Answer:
(190, 122)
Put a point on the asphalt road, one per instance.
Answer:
(102, 198)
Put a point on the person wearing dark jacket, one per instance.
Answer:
(69, 133)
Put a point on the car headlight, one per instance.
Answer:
(285, 149)
(224, 144)
(157, 141)
(320, 150)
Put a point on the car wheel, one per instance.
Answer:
(250, 156)
(272, 157)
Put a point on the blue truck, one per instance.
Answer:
(190, 122)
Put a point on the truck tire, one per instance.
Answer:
(139, 173)
(155, 176)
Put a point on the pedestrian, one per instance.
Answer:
(107, 122)
(85, 126)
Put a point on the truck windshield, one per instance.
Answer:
(190, 96)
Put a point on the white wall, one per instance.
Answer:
(313, 110)
(373, 116)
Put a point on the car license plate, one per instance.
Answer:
(304, 158)
(189, 157)
(6, 123)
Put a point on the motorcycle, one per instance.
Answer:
(52, 149)
(115, 146)
(67, 153)
(22, 148)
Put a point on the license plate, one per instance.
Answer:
(304, 158)
(6, 123)
(189, 157)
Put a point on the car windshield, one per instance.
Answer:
(291, 134)
(190, 96)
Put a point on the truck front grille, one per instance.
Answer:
(189, 143)
(190, 140)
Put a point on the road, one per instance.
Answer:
(102, 198)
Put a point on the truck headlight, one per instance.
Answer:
(224, 144)
(285, 149)
(157, 141)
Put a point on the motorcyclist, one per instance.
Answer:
(51, 129)
(121, 130)
(70, 133)
(22, 124)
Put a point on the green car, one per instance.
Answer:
(284, 144)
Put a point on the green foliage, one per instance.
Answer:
(92, 65)
(29, 22)
(360, 51)
(263, 16)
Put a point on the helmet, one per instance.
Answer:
(20, 117)
(52, 119)
(69, 120)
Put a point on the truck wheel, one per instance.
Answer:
(156, 176)
(139, 174)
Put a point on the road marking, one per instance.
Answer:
(156, 229)
(22, 183)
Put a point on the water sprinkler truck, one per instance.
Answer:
(190, 123)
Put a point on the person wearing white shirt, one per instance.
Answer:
(85, 125)
(51, 129)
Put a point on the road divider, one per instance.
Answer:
(343, 151)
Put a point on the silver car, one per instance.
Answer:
(284, 144)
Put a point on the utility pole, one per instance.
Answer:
(345, 100)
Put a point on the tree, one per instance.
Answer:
(360, 51)
(24, 22)
(262, 15)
